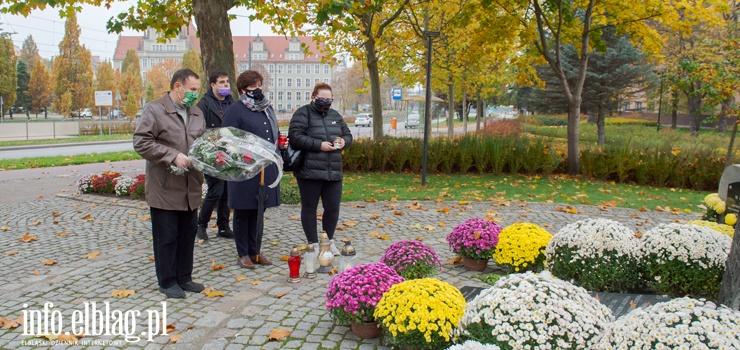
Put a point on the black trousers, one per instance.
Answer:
(245, 232)
(330, 193)
(173, 233)
(216, 197)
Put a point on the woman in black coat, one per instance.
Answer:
(253, 113)
(321, 133)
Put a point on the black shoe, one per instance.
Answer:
(174, 292)
(201, 234)
(191, 286)
(226, 233)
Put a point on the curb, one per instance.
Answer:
(56, 145)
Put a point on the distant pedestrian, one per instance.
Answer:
(214, 104)
(321, 133)
(167, 128)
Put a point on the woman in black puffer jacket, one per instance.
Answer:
(314, 129)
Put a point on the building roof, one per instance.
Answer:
(124, 44)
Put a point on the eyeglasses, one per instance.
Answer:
(325, 99)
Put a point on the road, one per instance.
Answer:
(64, 149)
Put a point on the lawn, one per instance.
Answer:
(90, 138)
(44, 162)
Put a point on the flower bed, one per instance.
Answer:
(522, 247)
(353, 294)
(113, 183)
(412, 259)
(420, 313)
(682, 260)
(677, 324)
(474, 239)
(534, 311)
(597, 254)
(724, 229)
(473, 345)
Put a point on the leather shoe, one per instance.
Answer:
(191, 286)
(174, 292)
(260, 260)
(245, 262)
(226, 233)
(201, 234)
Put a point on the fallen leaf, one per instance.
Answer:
(381, 226)
(429, 228)
(4, 228)
(476, 235)
(371, 200)
(55, 222)
(597, 297)
(240, 278)
(92, 255)
(175, 337)
(134, 212)
(256, 282)
(333, 271)
(145, 218)
(63, 234)
(280, 295)
(442, 224)
(274, 242)
(49, 262)
(341, 228)
(294, 217)
(284, 258)
(170, 328)
(638, 234)
(67, 338)
(6, 323)
(397, 212)
(632, 304)
(11, 253)
(55, 214)
(419, 238)
(389, 221)
(215, 267)
(414, 206)
(36, 272)
(87, 217)
(445, 210)
(215, 294)
(455, 260)
(643, 209)
(384, 237)
(151, 258)
(357, 206)
(278, 334)
(27, 238)
(350, 223)
(122, 293)
(375, 217)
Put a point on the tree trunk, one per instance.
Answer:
(729, 293)
(479, 112)
(574, 162)
(600, 116)
(722, 119)
(728, 157)
(674, 109)
(464, 111)
(374, 75)
(451, 110)
(217, 49)
(694, 113)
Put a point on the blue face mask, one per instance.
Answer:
(224, 91)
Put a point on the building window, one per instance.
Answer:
(298, 82)
(289, 96)
(308, 69)
(326, 69)
(298, 96)
(280, 82)
(308, 82)
(280, 107)
(244, 67)
(326, 80)
(293, 47)
(272, 82)
(288, 69)
(280, 69)
(257, 56)
(315, 81)
(638, 106)
(280, 95)
(272, 96)
(298, 68)
(308, 95)
(626, 106)
(172, 47)
(293, 57)
(289, 82)
(316, 69)
(161, 60)
(157, 47)
(289, 107)
(144, 62)
(271, 68)
(143, 75)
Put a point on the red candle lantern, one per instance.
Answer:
(294, 264)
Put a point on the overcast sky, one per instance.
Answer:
(47, 28)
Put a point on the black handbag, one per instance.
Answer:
(292, 159)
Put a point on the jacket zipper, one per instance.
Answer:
(328, 155)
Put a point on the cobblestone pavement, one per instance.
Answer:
(68, 227)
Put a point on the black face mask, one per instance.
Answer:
(323, 103)
(255, 94)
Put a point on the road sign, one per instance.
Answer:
(103, 98)
(396, 93)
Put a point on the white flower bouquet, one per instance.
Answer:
(682, 260)
(123, 185)
(597, 254)
(233, 155)
(682, 323)
(534, 311)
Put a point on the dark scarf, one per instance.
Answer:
(255, 106)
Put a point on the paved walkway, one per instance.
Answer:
(68, 227)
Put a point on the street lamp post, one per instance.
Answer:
(427, 105)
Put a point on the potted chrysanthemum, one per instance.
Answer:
(420, 314)
(474, 240)
(412, 259)
(353, 294)
(522, 247)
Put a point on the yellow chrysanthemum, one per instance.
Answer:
(726, 230)
(720, 207)
(730, 219)
(712, 195)
(521, 246)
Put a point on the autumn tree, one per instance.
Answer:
(8, 73)
(73, 69)
(192, 61)
(29, 52)
(40, 87)
(151, 93)
(159, 76)
(105, 81)
(23, 99)
(131, 85)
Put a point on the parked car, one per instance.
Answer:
(86, 113)
(364, 119)
(412, 121)
(117, 113)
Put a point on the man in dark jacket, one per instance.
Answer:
(214, 104)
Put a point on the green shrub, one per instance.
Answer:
(289, 193)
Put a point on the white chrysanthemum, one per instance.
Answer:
(123, 185)
(676, 324)
(591, 238)
(473, 345)
(533, 308)
(686, 243)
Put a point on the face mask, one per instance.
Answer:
(323, 103)
(255, 94)
(224, 91)
(189, 99)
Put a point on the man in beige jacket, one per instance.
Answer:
(166, 130)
